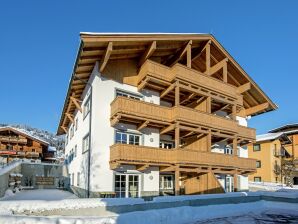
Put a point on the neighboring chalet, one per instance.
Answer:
(156, 114)
(270, 149)
(18, 144)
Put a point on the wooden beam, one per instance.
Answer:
(177, 57)
(166, 91)
(143, 84)
(208, 58)
(70, 117)
(142, 167)
(177, 136)
(167, 169)
(115, 120)
(106, 57)
(167, 129)
(218, 66)
(76, 103)
(177, 95)
(177, 181)
(253, 110)
(143, 125)
(64, 129)
(188, 56)
(222, 108)
(192, 95)
(243, 88)
(147, 54)
(200, 51)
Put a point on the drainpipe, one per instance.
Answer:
(90, 122)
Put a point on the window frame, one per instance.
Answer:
(130, 95)
(83, 140)
(128, 134)
(162, 182)
(85, 114)
(256, 150)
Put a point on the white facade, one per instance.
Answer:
(103, 136)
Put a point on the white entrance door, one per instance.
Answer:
(127, 185)
(229, 183)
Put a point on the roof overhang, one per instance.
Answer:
(97, 46)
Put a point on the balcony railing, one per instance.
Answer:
(134, 154)
(144, 110)
(13, 139)
(188, 75)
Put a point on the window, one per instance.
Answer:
(256, 147)
(33, 150)
(76, 123)
(66, 139)
(127, 138)
(72, 179)
(75, 151)
(86, 108)
(166, 182)
(78, 179)
(166, 144)
(127, 94)
(228, 150)
(258, 163)
(257, 179)
(71, 132)
(85, 143)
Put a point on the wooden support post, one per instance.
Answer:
(177, 95)
(235, 146)
(209, 141)
(177, 136)
(208, 105)
(177, 181)
(208, 56)
(188, 56)
(235, 182)
(225, 72)
(234, 112)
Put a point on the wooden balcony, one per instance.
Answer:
(121, 154)
(204, 83)
(13, 139)
(142, 111)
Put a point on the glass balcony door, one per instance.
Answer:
(127, 185)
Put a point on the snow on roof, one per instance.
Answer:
(24, 132)
(268, 136)
(294, 125)
(52, 149)
(132, 33)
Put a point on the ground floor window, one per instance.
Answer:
(127, 185)
(257, 179)
(166, 182)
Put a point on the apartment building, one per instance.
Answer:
(270, 149)
(158, 114)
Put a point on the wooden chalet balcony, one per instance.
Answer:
(142, 155)
(13, 139)
(219, 89)
(140, 110)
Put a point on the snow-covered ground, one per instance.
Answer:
(268, 186)
(47, 195)
(13, 211)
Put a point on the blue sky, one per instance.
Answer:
(39, 39)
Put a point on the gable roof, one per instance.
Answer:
(286, 128)
(23, 133)
(273, 136)
(93, 47)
